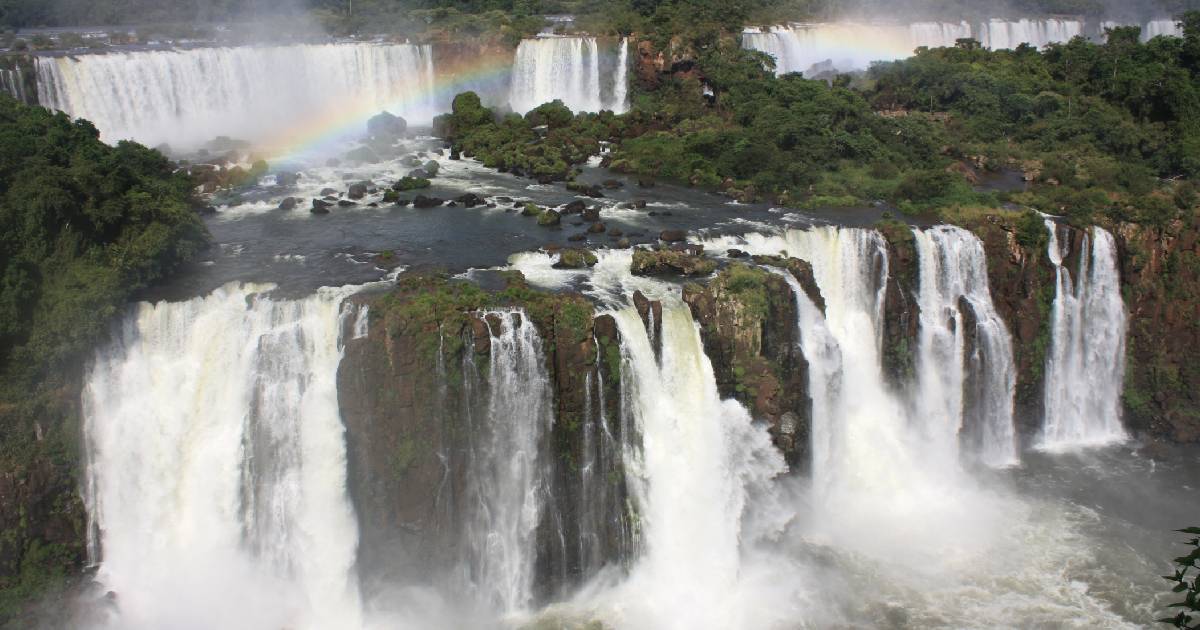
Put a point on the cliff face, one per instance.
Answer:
(747, 320)
(410, 392)
(1160, 274)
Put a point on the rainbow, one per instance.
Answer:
(330, 125)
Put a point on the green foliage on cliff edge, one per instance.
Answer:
(83, 226)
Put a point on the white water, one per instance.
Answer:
(12, 83)
(271, 93)
(506, 469)
(1085, 364)
(217, 466)
(701, 463)
(849, 46)
(620, 102)
(953, 266)
(567, 69)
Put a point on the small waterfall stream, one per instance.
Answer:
(1085, 363)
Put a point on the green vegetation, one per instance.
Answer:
(1187, 584)
(83, 227)
(545, 144)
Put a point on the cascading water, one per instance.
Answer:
(850, 46)
(507, 470)
(12, 83)
(567, 69)
(620, 102)
(190, 96)
(1085, 364)
(963, 393)
(700, 461)
(216, 478)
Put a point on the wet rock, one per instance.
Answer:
(736, 253)
(421, 201)
(575, 207)
(622, 243)
(613, 184)
(549, 218)
(346, 203)
(591, 215)
(411, 183)
(327, 192)
(364, 154)
(672, 236)
(432, 168)
(289, 203)
(575, 259)
(358, 190)
(597, 228)
(470, 200)
(615, 231)
(645, 182)
(575, 238)
(531, 210)
(320, 207)
(419, 173)
(386, 126)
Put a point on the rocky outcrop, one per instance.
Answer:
(407, 391)
(747, 320)
(1160, 272)
(684, 262)
(1021, 279)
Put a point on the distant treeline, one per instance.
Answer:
(34, 13)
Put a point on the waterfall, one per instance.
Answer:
(998, 34)
(963, 393)
(562, 68)
(1156, 28)
(700, 461)
(12, 83)
(1085, 363)
(620, 103)
(190, 96)
(850, 46)
(506, 471)
(216, 477)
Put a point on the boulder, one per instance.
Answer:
(358, 190)
(575, 259)
(549, 218)
(328, 192)
(346, 203)
(531, 210)
(386, 125)
(575, 238)
(672, 236)
(320, 207)
(432, 168)
(288, 203)
(419, 173)
(426, 202)
(391, 196)
(591, 214)
(363, 154)
(597, 228)
(470, 200)
(575, 207)
(612, 184)
(736, 253)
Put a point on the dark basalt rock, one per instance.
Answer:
(575, 207)
(470, 200)
(286, 179)
(289, 203)
(597, 228)
(421, 201)
(667, 262)
(358, 190)
(320, 207)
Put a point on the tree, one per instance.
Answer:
(1187, 582)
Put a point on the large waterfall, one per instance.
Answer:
(1085, 363)
(574, 70)
(216, 479)
(849, 46)
(255, 93)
